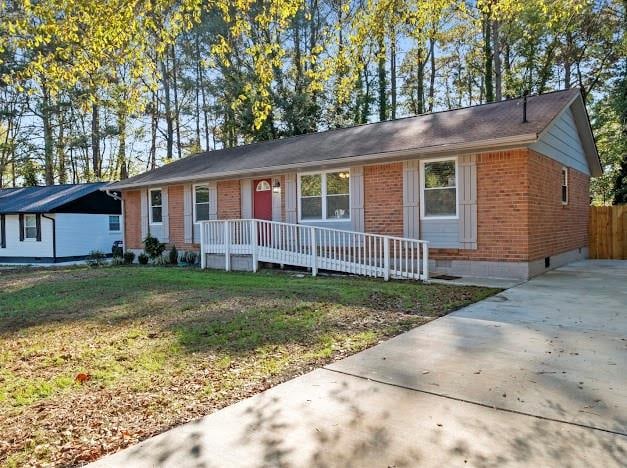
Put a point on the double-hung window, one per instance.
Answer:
(30, 226)
(325, 196)
(564, 186)
(439, 188)
(201, 203)
(114, 223)
(156, 206)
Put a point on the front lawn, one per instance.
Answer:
(92, 360)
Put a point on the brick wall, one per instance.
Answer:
(229, 199)
(176, 211)
(556, 228)
(383, 199)
(132, 219)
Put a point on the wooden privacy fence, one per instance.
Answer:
(608, 232)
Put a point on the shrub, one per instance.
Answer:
(153, 247)
(96, 258)
(129, 257)
(160, 261)
(117, 261)
(190, 258)
(174, 255)
(142, 258)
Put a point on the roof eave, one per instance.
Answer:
(478, 146)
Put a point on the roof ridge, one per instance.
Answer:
(329, 130)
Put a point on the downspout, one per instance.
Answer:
(54, 237)
(113, 195)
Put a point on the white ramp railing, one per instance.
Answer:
(314, 247)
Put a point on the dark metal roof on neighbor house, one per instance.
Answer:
(488, 125)
(44, 199)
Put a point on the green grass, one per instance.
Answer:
(166, 345)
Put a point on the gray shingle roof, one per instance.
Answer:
(43, 199)
(434, 132)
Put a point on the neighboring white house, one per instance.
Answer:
(57, 223)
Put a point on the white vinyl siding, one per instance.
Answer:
(80, 233)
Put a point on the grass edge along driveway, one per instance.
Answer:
(93, 360)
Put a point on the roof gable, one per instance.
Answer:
(43, 199)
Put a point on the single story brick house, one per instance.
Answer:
(57, 223)
(498, 190)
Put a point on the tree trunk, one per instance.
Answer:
(177, 111)
(46, 117)
(487, 58)
(498, 86)
(393, 74)
(121, 159)
(169, 138)
(383, 110)
(96, 158)
(61, 149)
(432, 74)
(420, 80)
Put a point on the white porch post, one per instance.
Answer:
(203, 242)
(227, 245)
(425, 261)
(253, 242)
(314, 259)
(386, 258)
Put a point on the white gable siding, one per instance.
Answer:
(79, 234)
(562, 143)
(28, 247)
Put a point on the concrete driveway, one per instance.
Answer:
(536, 375)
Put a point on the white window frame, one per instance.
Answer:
(422, 187)
(154, 189)
(194, 201)
(119, 223)
(26, 226)
(323, 196)
(564, 174)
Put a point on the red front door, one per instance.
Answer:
(262, 199)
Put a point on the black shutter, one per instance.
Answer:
(3, 233)
(38, 224)
(21, 227)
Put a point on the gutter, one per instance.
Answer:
(496, 143)
(54, 237)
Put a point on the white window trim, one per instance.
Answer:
(119, 223)
(194, 201)
(26, 238)
(154, 189)
(565, 172)
(422, 187)
(323, 195)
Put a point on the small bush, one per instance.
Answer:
(161, 261)
(129, 257)
(153, 247)
(142, 258)
(116, 261)
(190, 258)
(174, 255)
(96, 258)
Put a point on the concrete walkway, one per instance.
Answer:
(536, 375)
